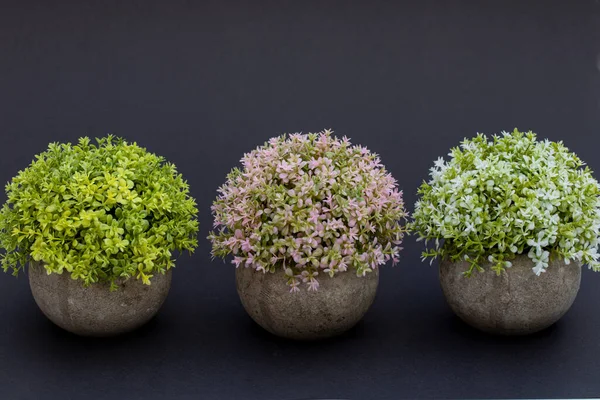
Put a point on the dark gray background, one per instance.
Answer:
(203, 82)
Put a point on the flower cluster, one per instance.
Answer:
(309, 204)
(512, 195)
(97, 212)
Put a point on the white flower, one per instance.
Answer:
(541, 262)
(439, 163)
(538, 244)
(480, 164)
(539, 268)
(590, 255)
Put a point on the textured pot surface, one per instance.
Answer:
(95, 310)
(515, 303)
(337, 306)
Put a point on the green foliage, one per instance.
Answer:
(512, 195)
(99, 212)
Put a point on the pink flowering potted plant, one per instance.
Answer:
(308, 220)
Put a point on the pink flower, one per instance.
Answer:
(294, 286)
(246, 246)
(320, 230)
(261, 268)
(353, 233)
(314, 216)
(237, 261)
(315, 163)
(313, 285)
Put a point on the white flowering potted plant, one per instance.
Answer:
(97, 226)
(308, 219)
(512, 219)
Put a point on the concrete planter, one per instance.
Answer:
(96, 311)
(515, 303)
(337, 306)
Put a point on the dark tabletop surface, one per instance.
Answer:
(203, 82)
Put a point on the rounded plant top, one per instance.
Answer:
(99, 212)
(512, 195)
(309, 204)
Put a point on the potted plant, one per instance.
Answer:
(97, 225)
(308, 220)
(512, 219)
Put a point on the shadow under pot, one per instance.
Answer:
(517, 302)
(338, 304)
(95, 310)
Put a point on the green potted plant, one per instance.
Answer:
(97, 225)
(308, 220)
(512, 219)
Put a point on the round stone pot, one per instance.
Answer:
(337, 306)
(517, 302)
(95, 310)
